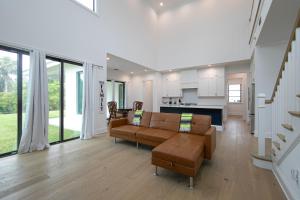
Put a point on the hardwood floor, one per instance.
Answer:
(100, 169)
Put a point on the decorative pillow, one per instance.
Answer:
(186, 122)
(137, 117)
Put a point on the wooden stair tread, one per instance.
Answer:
(277, 145)
(295, 113)
(281, 137)
(288, 127)
(265, 158)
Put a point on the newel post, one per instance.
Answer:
(261, 122)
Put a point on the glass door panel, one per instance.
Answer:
(53, 70)
(119, 93)
(8, 102)
(73, 98)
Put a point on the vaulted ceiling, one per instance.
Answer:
(168, 4)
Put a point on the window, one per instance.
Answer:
(234, 93)
(14, 71)
(65, 100)
(79, 88)
(90, 4)
(116, 92)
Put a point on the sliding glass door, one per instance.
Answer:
(14, 70)
(65, 91)
(116, 92)
(54, 96)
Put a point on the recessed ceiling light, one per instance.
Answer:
(107, 58)
(161, 4)
(131, 72)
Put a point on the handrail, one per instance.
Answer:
(255, 20)
(285, 58)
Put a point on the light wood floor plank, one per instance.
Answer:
(100, 169)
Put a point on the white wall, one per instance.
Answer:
(204, 32)
(130, 30)
(268, 61)
(65, 29)
(136, 93)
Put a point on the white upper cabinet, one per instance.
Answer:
(211, 82)
(189, 79)
(171, 85)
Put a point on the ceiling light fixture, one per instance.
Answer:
(210, 65)
(131, 72)
(161, 4)
(107, 58)
(170, 70)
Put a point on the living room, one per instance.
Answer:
(211, 76)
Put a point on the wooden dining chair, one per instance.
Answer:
(137, 105)
(112, 109)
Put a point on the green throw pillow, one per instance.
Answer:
(186, 122)
(137, 117)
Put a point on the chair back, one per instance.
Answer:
(137, 105)
(112, 109)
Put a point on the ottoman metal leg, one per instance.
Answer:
(155, 173)
(191, 183)
(115, 140)
(137, 145)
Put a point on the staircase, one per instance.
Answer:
(285, 101)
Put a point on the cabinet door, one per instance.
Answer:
(203, 87)
(174, 89)
(165, 87)
(220, 86)
(212, 87)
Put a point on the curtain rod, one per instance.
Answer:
(27, 48)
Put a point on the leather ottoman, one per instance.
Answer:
(183, 153)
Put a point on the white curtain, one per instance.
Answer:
(87, 130)
(35, 132)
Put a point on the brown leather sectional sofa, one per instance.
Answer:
(179, 152)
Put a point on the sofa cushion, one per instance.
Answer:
(153, 134)
(200, 124)
(184, 149)
(145, 120)
(166, 121)
(128, 130)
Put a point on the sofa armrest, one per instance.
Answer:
(210, 142)
(116, 123)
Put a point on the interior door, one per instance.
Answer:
(148, 96)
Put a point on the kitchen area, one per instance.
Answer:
(197, 91)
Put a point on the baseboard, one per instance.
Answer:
(218, 128)
(262, 163)
(283, 186)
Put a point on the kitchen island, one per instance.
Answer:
(216, 112)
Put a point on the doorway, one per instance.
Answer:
(148, 95)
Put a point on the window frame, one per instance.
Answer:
(19, 124)
(240, 91)
(79, 92)
(62, 104)
(94, 10)
(123, 85)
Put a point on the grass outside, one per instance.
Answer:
(8, 132)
